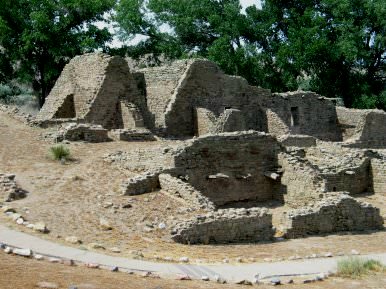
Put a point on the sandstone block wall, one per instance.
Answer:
(133, 135)
(161, 84)
(230, 167)
(335, 213)
(91, 88)
(300, 182)
(301, 112)
(226, 226)
(84, 132)
(180, 189)
(141, 184)
(297, 140)
(378, 175)
(363, 128)
(204, 85)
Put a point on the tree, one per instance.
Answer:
(338, 45)
(38, 37)
(214, 29)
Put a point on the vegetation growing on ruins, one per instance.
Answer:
(336, 48)
(355, 267)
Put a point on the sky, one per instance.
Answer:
(117, 43)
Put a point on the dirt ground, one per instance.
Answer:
(21, 273)
(72, 198)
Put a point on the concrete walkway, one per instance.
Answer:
(226, 271)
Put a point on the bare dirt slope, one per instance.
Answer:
(72, 198)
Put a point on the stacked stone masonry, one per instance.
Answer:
(226, 226)
(9, 190)
(334, 213)
(194, 97)
(249, 146)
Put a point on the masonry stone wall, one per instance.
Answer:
(91, 89)
(9, 189)
(296, 140)
(334, 213)
(226, 226)
(301, 112)
(204, 85)
(84, 132)
(378, 175)
(181, 189)
(230, 167)
(301, 184)
(363, 128)
(161, 83)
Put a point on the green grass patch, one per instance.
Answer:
(60, 152)
(355, 267)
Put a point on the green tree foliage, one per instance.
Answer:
(339, 44)
(37, 37)
(334, 47)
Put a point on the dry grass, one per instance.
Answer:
(356, 267)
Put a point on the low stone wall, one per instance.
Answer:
(132, 135)
(297, 140)
(178, 188)
(84, 132)
(336, 212)
(9, 190)
(226, 226)
(141, 184)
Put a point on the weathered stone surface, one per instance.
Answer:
(23, 252)
(334, 213)
(230, 167)
(364, 128)
(84, 132)
(132, 135)
(225, 226)
(94, 88)
(9, 190)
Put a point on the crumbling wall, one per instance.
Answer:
(161, 83)
(204, 85)
(301, 183)
(378, 175)
(90, 90)
(226, 226)
(363, 128)
(301, 112)
(9, 190)
(296, 140)
(83, 132)
(334, 213)
(231, 166)
(180, 189)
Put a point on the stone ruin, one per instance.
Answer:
(243, 147)
(192, 98)
(9, 189)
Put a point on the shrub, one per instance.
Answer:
(60, 152)
(354, 267)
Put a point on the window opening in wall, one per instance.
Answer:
(294, 116)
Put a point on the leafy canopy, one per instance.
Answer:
(37, 37)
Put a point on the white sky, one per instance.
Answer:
(117, 43)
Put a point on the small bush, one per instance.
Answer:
(354, 267)
(60, 152)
